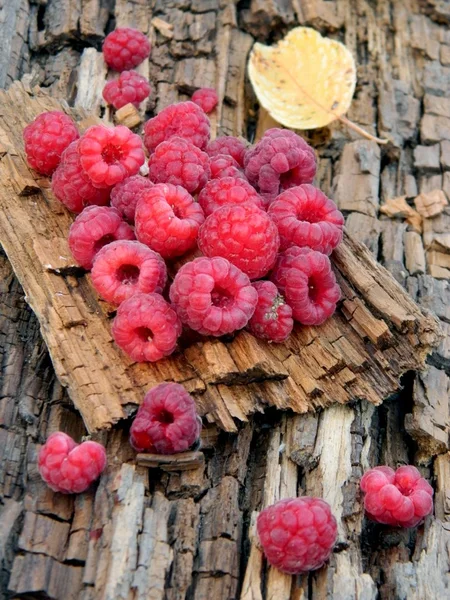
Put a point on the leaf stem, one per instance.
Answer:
(361, 131)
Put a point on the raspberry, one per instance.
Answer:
(272, 319)
(179, 162)
(146, 327)
(185, 120)
(225, 191)
(124, 195)
(400, 498)
(125, 48)
(229, 146)
(243, 234)
(68, 467)
(110, 154)
(124, 268)
(297, 534)
(212, 296)
(129, 87)
(168, 219)
(95, 227)
(305, 278)
(281, 160)
(206, 98)
(222, 165)
(166, 422)
(72, 186)
(46, 138)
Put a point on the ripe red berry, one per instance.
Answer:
(125, 48)
(228, 145)
(206, 98)
(297, 534)
(272, 319)
(222, 165)
(130, 87)
(125, 195)
(166, 422)
(225, 191)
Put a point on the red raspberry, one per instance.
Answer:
(46, 138)
(166, 422)
(272, 319)
(306, 217)
(306, 280)
(225, 191)
(95, 227)
(125, 48)
(281, 160)
(168, 219)
(146, 327)
(124, 268)
(179, 162)
(297, 534)
(400, 498)
(124, 195)
(110, 154)
(185, 120)
(243, 234)
(129, 87)
(68, 467)
(229, 146)
(222, 165)
(212, 296)
(206, 98)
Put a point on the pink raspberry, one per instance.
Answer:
(400, 498)
(124, 195)
(281, 160)
(212, 296)
(68, 467)
(146, 327)
(168, 219)
(229, 146)
(95, 227)
(297, 534)
(305, 278)
(222, 165)
(185, 120)
(306, 217)
(206, 98)
(110, 154)
(243, 234)
(72, 186)
(130, 87)
(124, 268)
(179, 162)
(166, 422)
(46, 138)
(225, 191)
(272, 319)
(125, 48)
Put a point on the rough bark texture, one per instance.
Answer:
(189, 534)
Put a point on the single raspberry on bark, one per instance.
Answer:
(146, 327)
(166, 422)
(212, 296)
(306, 217)
(130, 87)
(179, 162)
(297, 534)
(124, 268)
(68, 467)
(125, 195)
(228, 145)
(222, 165)
(125, 48)
(272, 319)
(206, 98)
(46, 138)
(243, 234)
(400, 498)
(95, 227)
(306, 280)
(226, 191)
(168, 219)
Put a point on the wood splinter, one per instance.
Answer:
(184, 461)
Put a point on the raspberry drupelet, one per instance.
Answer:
(306, 217)
(124, 268)
(226, 191)
(272, 319)
(46, 138)
(146, 327)
(400, 498)
(297, 534)
(130, 87)
(222, 165)
(125, 48)
(212, 296)
(95, 227)
(125, 195)
(166, 422)
(244, 235)
(228, 145)
(206, 98)
(307, 282)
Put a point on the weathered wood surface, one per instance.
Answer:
(188, 535)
